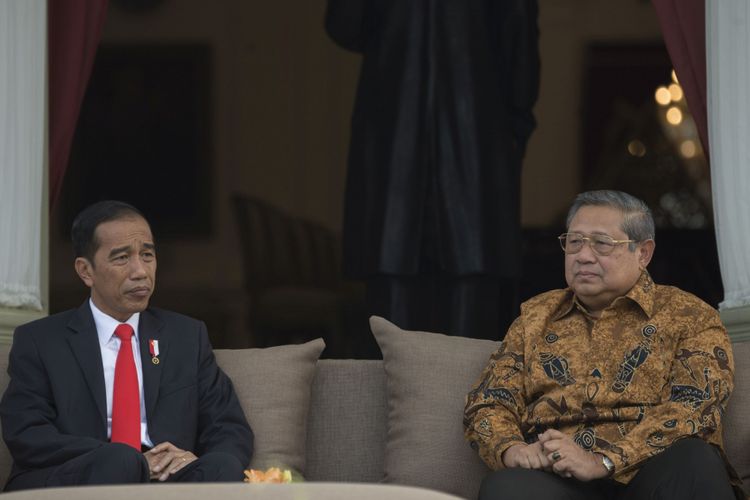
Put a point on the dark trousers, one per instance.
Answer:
(116, 463)
(689, 469)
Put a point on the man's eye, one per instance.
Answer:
(603, 243)
(121, 258)
(574, 240)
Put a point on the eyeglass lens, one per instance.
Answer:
(600, 243)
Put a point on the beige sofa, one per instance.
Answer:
(392, 421)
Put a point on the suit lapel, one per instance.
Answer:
(85, 345)
(150, 328)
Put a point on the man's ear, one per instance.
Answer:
(645, 252)
(84, 269)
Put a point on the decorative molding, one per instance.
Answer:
(737, 322)
(11, 318)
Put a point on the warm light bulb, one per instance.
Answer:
(636, 148)
(674, 115)
(688, 149)
(675, 91)
(663, 96)
(674, 77)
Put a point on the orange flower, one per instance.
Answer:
(272, 475)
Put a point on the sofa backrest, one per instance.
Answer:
(5, 459)
(346, 430)
(737, 420)
(347, 423)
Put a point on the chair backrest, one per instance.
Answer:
(282, 250)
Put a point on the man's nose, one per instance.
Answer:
(137, 268)
(586, 253)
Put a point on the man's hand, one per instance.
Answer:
(527, 456)
(570, 460)
(165, 459)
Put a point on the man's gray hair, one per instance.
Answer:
(638, 222)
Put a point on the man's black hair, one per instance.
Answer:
(83, 231)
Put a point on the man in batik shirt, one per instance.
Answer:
(612, 388)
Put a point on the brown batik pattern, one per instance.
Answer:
(656, 366)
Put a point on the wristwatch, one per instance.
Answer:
(608, 464)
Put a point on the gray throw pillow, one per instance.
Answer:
(427, 378)
(273, 386)
(735, 421)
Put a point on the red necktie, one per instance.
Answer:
(126, 401)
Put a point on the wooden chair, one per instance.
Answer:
(292, 273)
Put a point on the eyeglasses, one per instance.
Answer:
(601, 244)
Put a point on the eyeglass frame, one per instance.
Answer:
(615, 243)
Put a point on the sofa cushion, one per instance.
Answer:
(735, 422)
(346, 430)
(427, 378)
(273, 386)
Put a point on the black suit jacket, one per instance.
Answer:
(54, 408)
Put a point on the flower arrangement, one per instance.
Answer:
(272, 475)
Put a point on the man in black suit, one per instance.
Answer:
(57, 412)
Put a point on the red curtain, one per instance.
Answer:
(683, 24)
(74, 29)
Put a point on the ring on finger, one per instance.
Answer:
(556, 456)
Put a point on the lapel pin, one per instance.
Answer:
(153, 347)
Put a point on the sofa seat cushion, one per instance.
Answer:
(427, 378)
(273, 386)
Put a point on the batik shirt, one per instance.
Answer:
(655, 367)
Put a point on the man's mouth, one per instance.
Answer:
(586, 274)
(140, 292)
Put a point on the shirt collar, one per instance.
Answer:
(566, 305)
(105, 324)
(642, 294)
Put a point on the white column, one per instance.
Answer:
(728, 75)
(23, 197)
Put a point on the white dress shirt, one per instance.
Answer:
(109, 344)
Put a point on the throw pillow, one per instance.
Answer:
(427, 378)
(734, 422)
(273, 386)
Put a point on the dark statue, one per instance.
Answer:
(441, 120)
